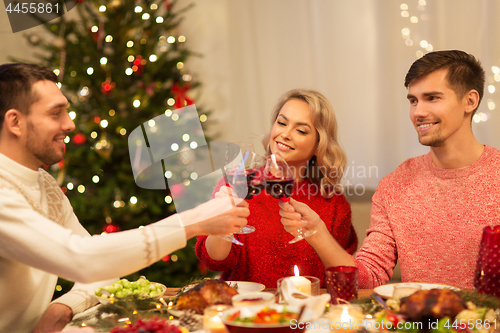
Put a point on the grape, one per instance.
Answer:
(141, 288)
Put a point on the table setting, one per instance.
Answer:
(298, 303)
(294, 306)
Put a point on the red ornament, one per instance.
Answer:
(79, 139)
(177, 190)
(166, 258)
(181, 100)
(138, 66)
(107, 86)
(97, 119)
(111, 227)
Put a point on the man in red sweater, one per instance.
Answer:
(430, 212)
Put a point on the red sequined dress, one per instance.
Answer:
(266, 255)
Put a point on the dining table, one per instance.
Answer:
(173, 291)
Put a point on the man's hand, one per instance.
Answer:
(55, 318)
(223, 223)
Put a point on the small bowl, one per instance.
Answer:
(250, 311)
(253, 298)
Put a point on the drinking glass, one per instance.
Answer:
(279, 182)
(241, 172)
(342, 283)
(487, 275)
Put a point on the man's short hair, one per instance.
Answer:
(16, 82)
(464, 71)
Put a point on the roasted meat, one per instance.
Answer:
(192, 300)
(204, 294)
(433, 303)
(218, 293)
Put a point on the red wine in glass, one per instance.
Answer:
(279, 183)
(279, 189)
(253, 185)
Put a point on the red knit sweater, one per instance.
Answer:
(431, 220)
(266, 255)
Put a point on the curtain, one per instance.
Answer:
(354, 52)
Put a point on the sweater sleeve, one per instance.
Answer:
(217, 265)
(202, 253)
(378, 254)
(81, 296)
(341, 227)
(31, 239)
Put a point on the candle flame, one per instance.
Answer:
(344, 317)
(296, 270)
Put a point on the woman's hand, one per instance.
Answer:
(295, 215)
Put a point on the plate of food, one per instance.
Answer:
(440, 310)
(272, 318)
(200, 296)
(386, 290)
(141, 289)
(246, 287)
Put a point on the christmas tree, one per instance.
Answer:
(120, 64)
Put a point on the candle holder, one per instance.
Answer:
(487, 275)
(212, 319)
(342, 283)
(345, 318)
(312, 289)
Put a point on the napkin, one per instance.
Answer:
(316, 304)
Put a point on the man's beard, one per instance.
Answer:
(43, 152)
(433, 140)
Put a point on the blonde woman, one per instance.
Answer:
(304, 132)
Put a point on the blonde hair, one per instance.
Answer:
(326, 168)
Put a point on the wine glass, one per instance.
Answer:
(242, 173)
(239, 173)
(279, 183)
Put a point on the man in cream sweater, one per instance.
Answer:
(40, 236)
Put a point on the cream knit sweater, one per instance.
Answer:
(41, 239)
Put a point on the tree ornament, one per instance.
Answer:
(138, 66)
(181, 100)
(79, 139)
(110, 227)
(103, 147)
(149, 89)
(115, 4)
(107, 86)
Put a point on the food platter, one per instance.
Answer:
(242, 287)
(386, 290)
(104, 300)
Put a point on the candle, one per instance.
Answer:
(301, 283)
(212, 322)
(345, 318)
